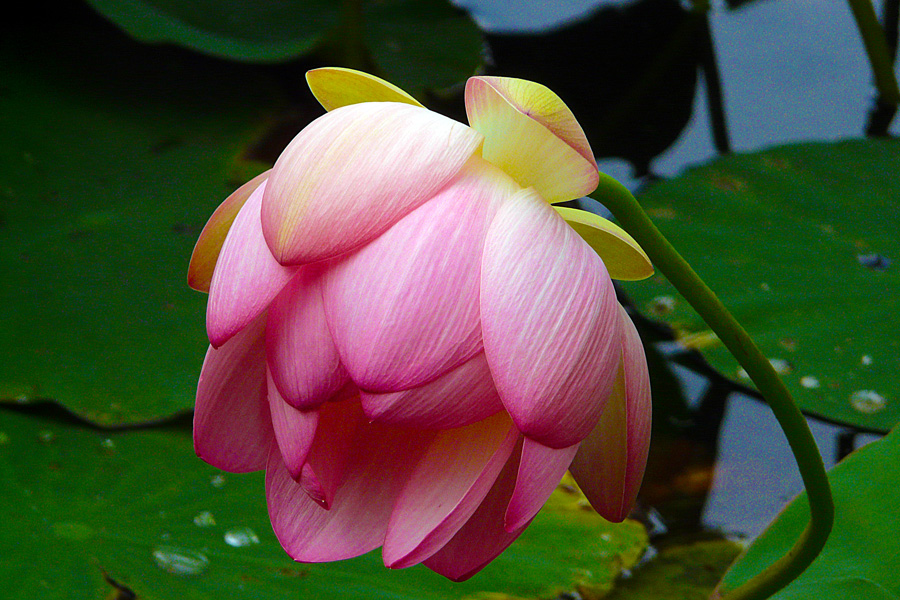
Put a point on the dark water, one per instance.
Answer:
(636, 75)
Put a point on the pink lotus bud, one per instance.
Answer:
(410, 339)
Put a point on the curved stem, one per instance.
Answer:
(877, 49)
(633, 219)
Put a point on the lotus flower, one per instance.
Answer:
(410, 339)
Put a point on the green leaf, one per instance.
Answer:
(860, 559)
(248, 31)
(140, 509)
(112, 157)
(422, 44)
(800, 243)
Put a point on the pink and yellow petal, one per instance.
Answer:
(209, 244)
(354, 172)
(623, 257)
(550, 324)
(536, 143)
(247, 277)
(610, 462)
(335, 87)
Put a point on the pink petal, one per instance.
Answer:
(483, 537)
(404, 309)
(354, 172)
(446, 487)
(550, 322)
(378, 466)
(247, 276)
(294, 429)
(232, 427)
(461, 397)
(610, 463)
(301, 353)
(339, 426)
(540, 471)
(209, 244)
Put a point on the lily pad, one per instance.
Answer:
(112, 157)
(800, 243)
(860, 559)
(137, 510)
(250, 31)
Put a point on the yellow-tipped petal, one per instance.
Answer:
(209, 244)
(623, 257)
(532, 135)
(334, 87)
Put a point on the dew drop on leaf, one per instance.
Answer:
(239, 537)
(180, 561)
(867, 401)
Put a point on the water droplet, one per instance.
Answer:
(781, 366)
(217, 481)
(874, 261)
(46, 436)
(180, 561)
(204, 518)
(867, 401)
(108, 446)
(241, 536)
(809, 382)
(662, 306)
(4, 438)
(866, 360)
(765, 287)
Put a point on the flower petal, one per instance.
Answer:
(610, 463)
(247, 276)
(334, 87)
(404, 309)
(530, 134)
(209, 244)
(461, 397)
(295, 429)
(301, 353)
(483, 537)
(623, 257)
(232, 427)
(549, 320)
(446, 487)
(354, 172)
(379, 464)
(540, 471)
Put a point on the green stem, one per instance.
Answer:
(877, 49)
(633, 219)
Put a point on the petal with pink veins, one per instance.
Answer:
(531, 134)
(610, 463)
(294, 429)
(232, 426)
(460, 397)
(623, 257)
(209, 244)
(404, 309)
(540, 471)
(483, 537)
(339, 425)
(550, 323)
(446, 487)
(379, 464)
(301, 353)
(335, 87)
(247, 277)
(354, 172)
